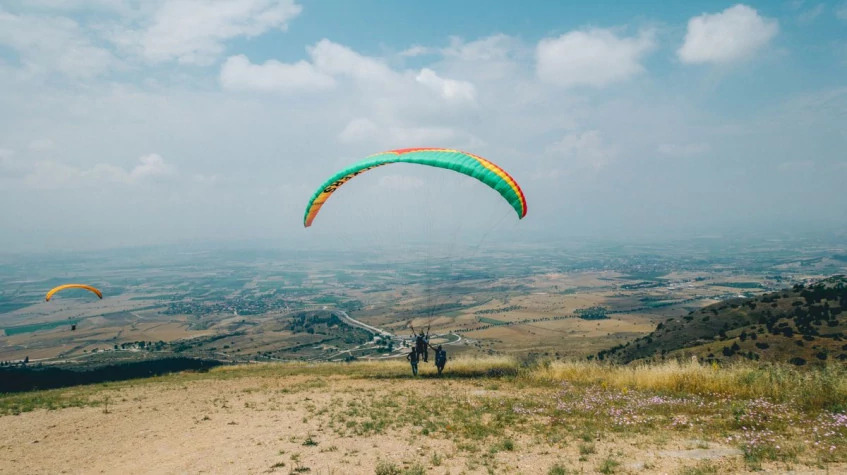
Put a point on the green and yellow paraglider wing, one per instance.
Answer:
(462, 162)
(73, 286)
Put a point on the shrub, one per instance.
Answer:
(384, 467)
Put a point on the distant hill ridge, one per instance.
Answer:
(802, 325)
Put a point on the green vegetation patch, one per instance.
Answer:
(34, 327)
(491, 321)
(738, 285)
(11, 306)
(327, 299)
(641, 285)
(490, 311)
(592, 313)
(661, 303)
(50, 400)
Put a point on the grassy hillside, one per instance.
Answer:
(491, 415)
(803, 325)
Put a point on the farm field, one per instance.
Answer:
(233, 307)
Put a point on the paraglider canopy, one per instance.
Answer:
(456, 160)
(73, 286)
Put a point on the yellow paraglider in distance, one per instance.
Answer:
(73, 286)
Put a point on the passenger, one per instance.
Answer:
(413, 360)
(420, 347)
(425, 339)
(440, 359)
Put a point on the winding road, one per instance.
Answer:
(355, 323)
(399, 351)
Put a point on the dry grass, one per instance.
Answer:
(808, 388)
(460, 367)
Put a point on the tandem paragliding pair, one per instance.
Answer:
(455, 160)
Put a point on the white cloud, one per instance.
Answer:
(239, 73)
(416, 50)
(329, 61)
(194, 31)
(497, 60)
(449, 89)
(151, 165)
(492, 48)
(364, 130)
(332, 64)
(583, 150)
(51, 174)
(336, 59)
(46, 44)
(595, 57)
(359, 129)
(735, 33)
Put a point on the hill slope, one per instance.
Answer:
(492, 415)
(805, 324)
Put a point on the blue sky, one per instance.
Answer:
(129, 123)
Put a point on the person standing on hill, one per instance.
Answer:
(413, 360)
(440, 359)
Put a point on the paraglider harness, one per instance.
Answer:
(421, 343)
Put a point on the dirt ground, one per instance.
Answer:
(264, 425)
